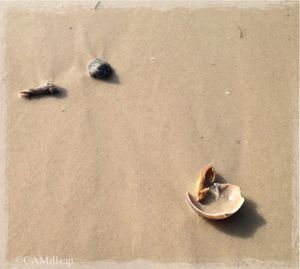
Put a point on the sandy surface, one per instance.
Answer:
(101, 173)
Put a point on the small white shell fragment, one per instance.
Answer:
(43, 90)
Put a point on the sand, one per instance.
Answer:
(100, 174)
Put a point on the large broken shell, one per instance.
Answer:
(216, 201)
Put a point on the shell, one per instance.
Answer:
(46, 89)
(100, 69)
(206, 178)
(218, 200)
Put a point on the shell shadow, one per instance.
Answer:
(113, 79)
(62, 93)
(244, 223)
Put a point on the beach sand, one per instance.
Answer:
(101, 173)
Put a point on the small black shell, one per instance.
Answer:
(100, 69)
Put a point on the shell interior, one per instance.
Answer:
(222, 201)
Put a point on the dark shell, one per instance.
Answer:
(99, 69)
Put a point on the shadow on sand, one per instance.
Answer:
(113, 79)
(242, 224)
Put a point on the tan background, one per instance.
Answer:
(101, 173)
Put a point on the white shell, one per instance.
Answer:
(221, 202)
